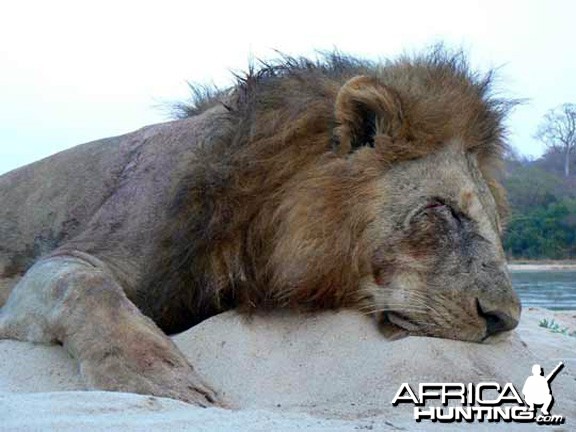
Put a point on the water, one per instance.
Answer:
(555, 290)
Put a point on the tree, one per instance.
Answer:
(558, 132)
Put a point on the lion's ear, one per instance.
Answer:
(365, 107)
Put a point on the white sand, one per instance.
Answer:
(327, 372)
(542, 267)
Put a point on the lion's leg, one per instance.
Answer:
(68, 301)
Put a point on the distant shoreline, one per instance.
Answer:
(544, 265)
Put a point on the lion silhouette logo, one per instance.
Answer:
(537, 389)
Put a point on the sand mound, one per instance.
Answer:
(331, 371)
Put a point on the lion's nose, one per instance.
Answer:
(499, 319)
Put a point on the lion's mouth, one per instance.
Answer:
(394, 325)
(402, 321)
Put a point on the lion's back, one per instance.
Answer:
(104, 197)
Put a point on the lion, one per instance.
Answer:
(308, 185)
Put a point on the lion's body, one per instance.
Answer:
(309, 185)
(106, 198)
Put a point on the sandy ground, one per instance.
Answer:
(553, 266)
(281, 372)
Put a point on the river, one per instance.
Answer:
(554, 290)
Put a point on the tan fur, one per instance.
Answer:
(339, 183)
(288, 225)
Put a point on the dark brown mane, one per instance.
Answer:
(279, 120)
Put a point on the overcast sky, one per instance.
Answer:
(76, 71)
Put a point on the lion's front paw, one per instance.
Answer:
(154, 369)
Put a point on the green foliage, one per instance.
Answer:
(543, 232)
(554, 327)
(531, 187)
(543, 211)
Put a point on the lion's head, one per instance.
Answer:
(346, 183)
